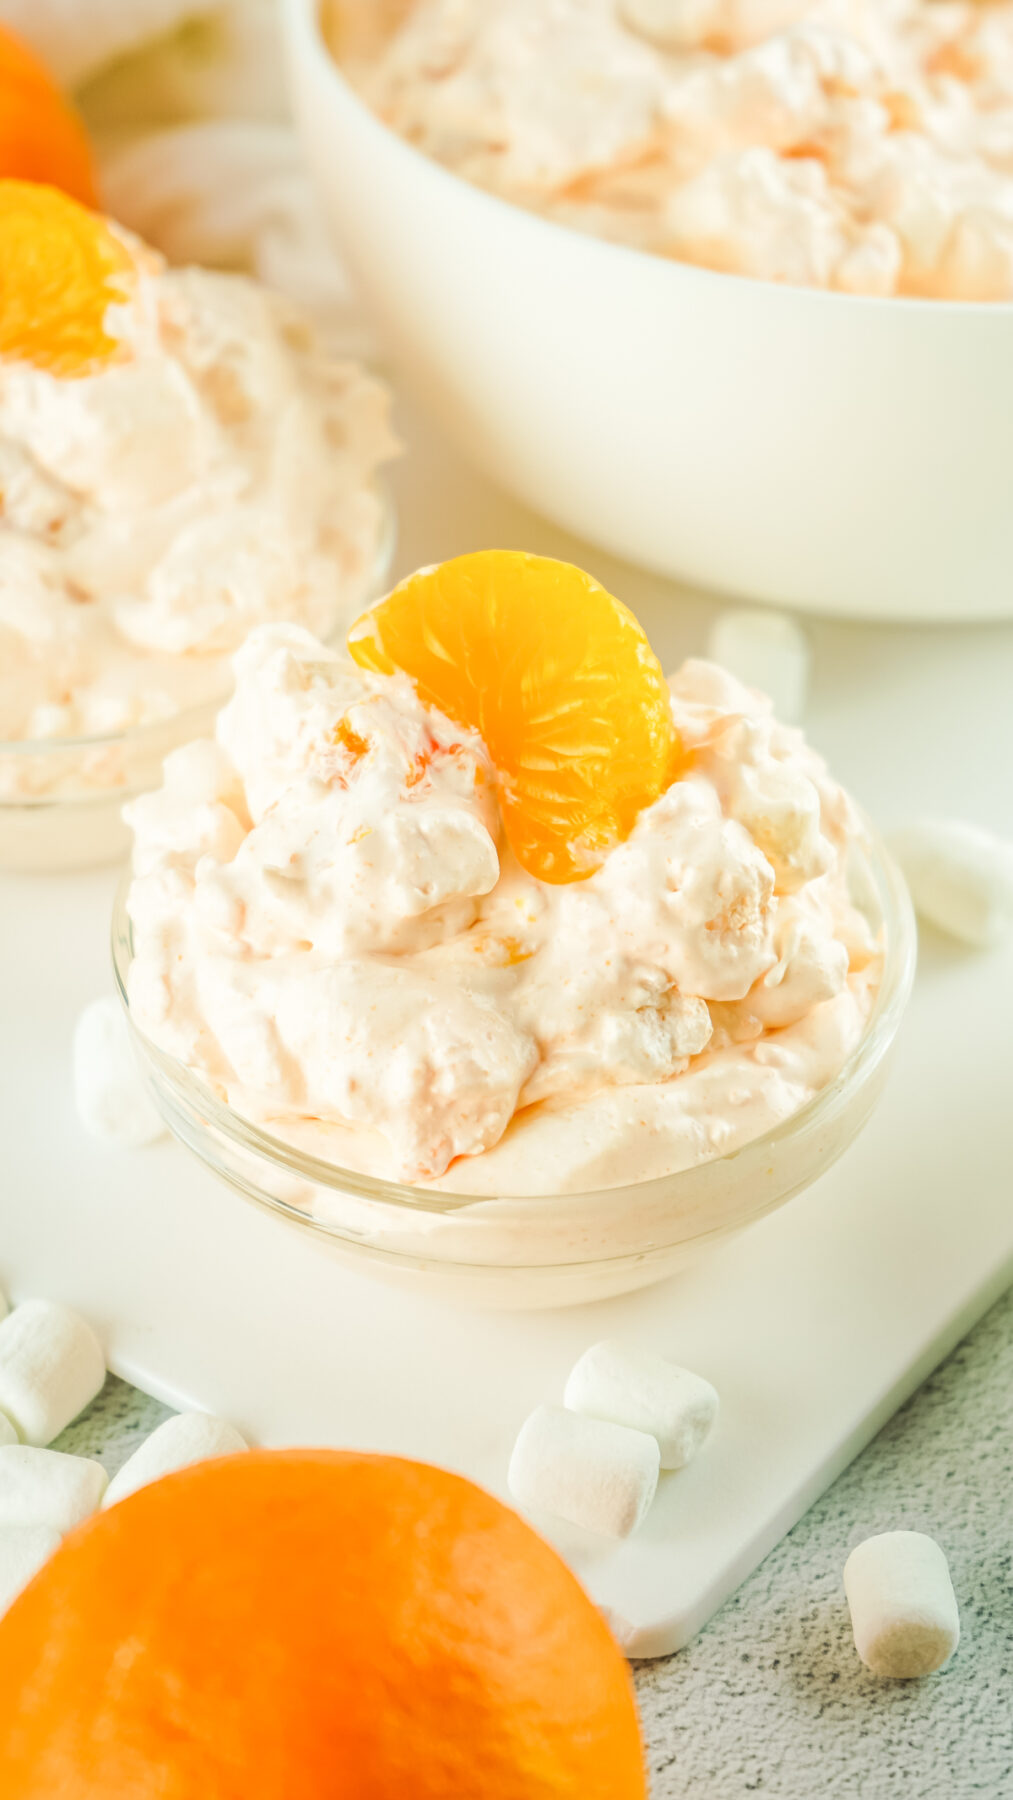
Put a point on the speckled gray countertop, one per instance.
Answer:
(771, 1698)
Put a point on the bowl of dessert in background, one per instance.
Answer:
(180, 459)
(836, 436)
(533, 1013)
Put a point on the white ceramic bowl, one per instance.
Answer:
(843, 455)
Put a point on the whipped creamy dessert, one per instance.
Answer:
(216, 470)
(858, 145)
(331, 931)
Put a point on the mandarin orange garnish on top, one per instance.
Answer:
(61, 269)
(41, 136)
(309, 1625)
(558, 679)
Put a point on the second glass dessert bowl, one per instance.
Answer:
(61, 799)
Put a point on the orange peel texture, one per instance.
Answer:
(61, 268)
(312, 1625)
(41, 136)
(559, 680)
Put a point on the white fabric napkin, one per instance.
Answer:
(75, 38)
(233, 193)
(186, 104)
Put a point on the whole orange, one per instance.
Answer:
(312, 1625)
(41, 136)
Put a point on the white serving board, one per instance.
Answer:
(814, 1326)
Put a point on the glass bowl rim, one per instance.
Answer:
(899, 960)
(151, 730)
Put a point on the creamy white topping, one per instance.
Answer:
(329, 928)
(863, 145)
(216, 472)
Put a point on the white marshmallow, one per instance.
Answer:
(961, 878)
(592, 1473)
(51, 1368)
(903, 1608)
(766, 650)
(675, 24)
(23, 1550)
(113, 1103)
(45, 1487)
(638, 1388)
(8, 1435)
(184, 1439)
(4, 1308)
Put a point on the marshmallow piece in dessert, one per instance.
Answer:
(960, 876)
(638, 1388)
(8, 1435)
(113, 1104)
(23, 1550)
(766, 650)
(51, 1368)
(590, 1472)
(46, 1487)
(903, 1608)
(674, 24)
(184, 1439)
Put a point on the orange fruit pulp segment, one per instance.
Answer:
(61, 268)
(41, 136)
(558, 679)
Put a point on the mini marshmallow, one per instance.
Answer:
(184, 1439)
(592, 1473)
(903, 1608)
(675, 24)
(51, 1368)
(641, 1389)
(112, 1100)
(766, 650)
(23, 1550)
(8, 1435)
(960, 876)
(45, 1487)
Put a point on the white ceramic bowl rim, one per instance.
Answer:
(900, 935)
(303, 19)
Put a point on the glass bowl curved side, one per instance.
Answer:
(547, 1249)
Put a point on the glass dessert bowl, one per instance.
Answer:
(182, 457)
(62, 799)
(552, 1249)
(484, 953)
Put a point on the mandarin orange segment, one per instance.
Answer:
(41, 136)
(61, 268)
(559, 680)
